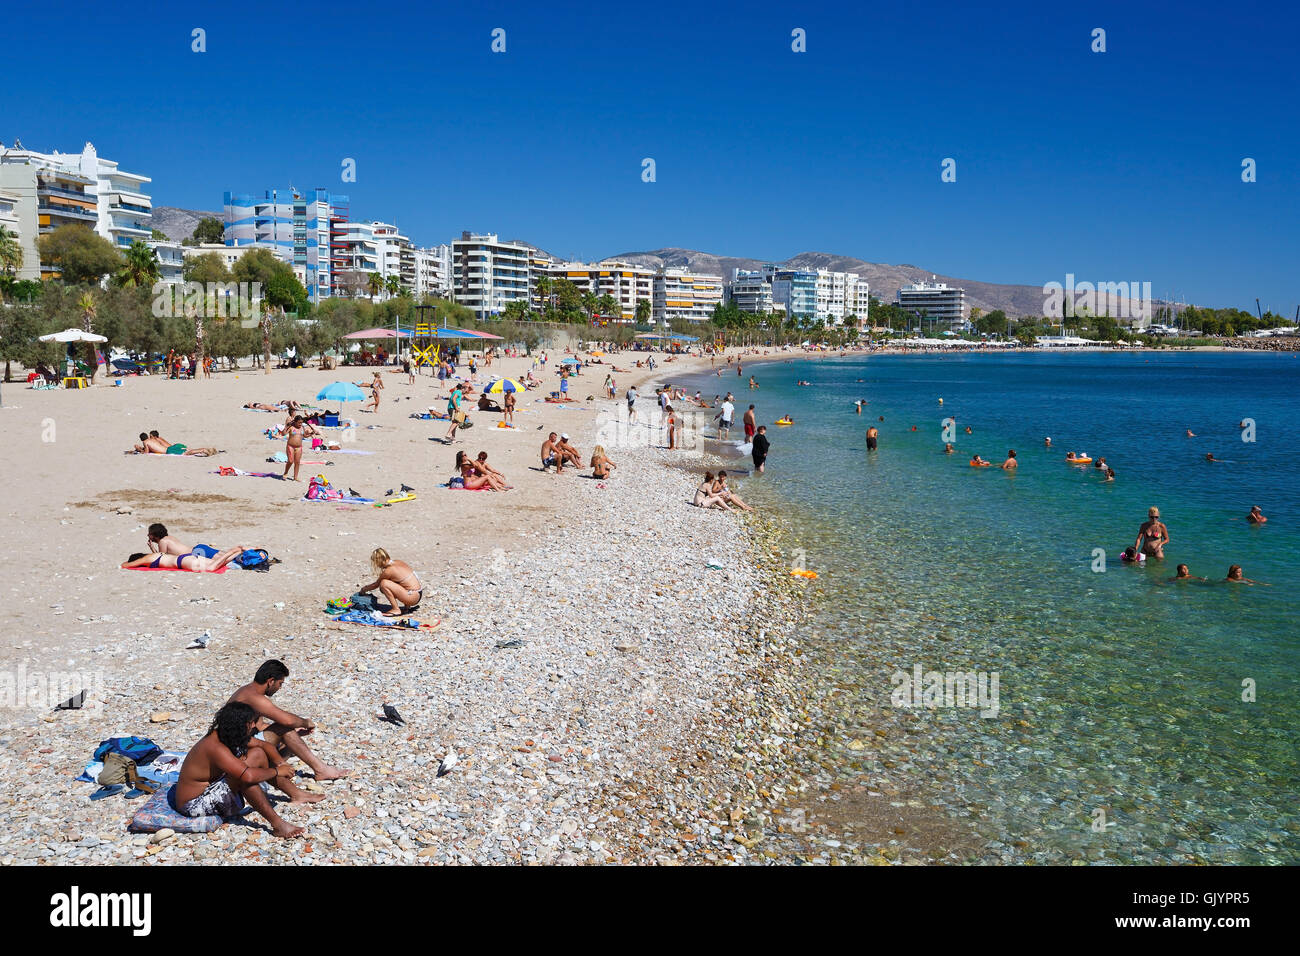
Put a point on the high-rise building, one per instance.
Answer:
(298, 227)
(795, 290)
(816, 295)
(433, 272)
(751, 290)
(62, 189)
(935, 302)
(11, 222)
(171, 259)
(680, 294)
(488, 274)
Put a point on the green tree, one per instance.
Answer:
(994, 323)
(209, 229)
(280, 287)
(642, 311)
(209, 267)
(139, 267)
(393, 286)
(80, 255)
(11, 253)
(375, 283)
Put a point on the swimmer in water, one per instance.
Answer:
(1153, 535)
(1110, 475)
(979, 462)
(1185, 574)
(1209, 456)
(1047, 442)
(1236, 576)
(1010, 464)
(948, 449)
(969, 430)
(1256, 516)
(1190, 433)
(1100, 464)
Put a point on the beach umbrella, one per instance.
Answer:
(340, 392)
(504, 385)
(73, 335)
(599, 354)
(570, 361)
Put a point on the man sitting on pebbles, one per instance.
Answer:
(567, 452)
(285, 730)
(228, 766)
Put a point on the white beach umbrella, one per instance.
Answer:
(73, 335)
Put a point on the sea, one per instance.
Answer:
(1099, 711)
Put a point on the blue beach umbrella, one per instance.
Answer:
(341, 392)
(570, 361)
(504, 385)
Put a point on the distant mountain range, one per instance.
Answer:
(1015, 300)
(177, 224)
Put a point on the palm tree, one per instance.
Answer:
(200, 346)
(87, 306)
(376, 283)
(140, 267)
(11, 253)
(393, 286)
(642, 311)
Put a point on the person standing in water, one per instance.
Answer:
(1010, 464)
(761, 447)
(873, 434)
(1256, 516)
(1153, 535)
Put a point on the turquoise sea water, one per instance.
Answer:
(1119, 693)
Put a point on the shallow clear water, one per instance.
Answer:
(1118, 692)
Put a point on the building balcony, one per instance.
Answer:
(70, 212)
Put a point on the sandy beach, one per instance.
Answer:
(621, 728)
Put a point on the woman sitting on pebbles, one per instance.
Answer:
(704, 496)
(601, 466)
(474, 477)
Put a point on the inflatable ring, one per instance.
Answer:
(784, 421)
(1078, 461)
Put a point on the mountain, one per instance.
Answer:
(178, 224)
(1015, 300)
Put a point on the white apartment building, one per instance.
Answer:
(935, 302)
(354, 255)
(751, 291)
(488, 274)
(9, 221)
(394, 257)
(823, 295)
(59, 189)
(171, 259)
(433, 272)
(626, 283)
(680, 294)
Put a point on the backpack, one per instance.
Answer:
(255, 559)
(142, 750)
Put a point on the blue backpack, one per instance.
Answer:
(255, 559)
(140, 749)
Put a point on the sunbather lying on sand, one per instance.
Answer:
(152, 444)
(160, 542)
(185, 562)
(226, 767)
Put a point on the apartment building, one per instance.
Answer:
(171, 259)
(488, 274)
(11, 221)
(61, 189)
(935, 302)
(299, 227)
(817, 295)
(626, 283)
(433, 272)
(681, 294)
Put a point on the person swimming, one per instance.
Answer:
(1256, 516)
(1236, 576)
(1184, 573)
(1132, 555)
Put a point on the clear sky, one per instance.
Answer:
(1116, 166)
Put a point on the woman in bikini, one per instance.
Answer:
(397, 582)
(601, 466)
(1153, 535)
(294, 433)
(475, 477)
(704, 496)
(184, 562)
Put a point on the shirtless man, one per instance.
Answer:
(551, 456)
(1256, 516)
(568, 452)
(155, 444)
(873, 435)
(284, 731)
(160, 542)
(225, 769)
(750, 423)
(483, 466)
(1010, 464)
(1153, 535)
(508, 413)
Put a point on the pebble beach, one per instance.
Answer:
(649, 704)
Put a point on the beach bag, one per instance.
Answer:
(141, 750)
(318, 489)
(254, 559)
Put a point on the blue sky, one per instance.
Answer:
(1123, 165)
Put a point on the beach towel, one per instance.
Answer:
(375, 619)
(220, 570)
(229, 472)
(160, 813)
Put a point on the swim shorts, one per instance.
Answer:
(218, 800)
(749, 431)
(871, 444)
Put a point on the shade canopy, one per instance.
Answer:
(340, 392)
(377, 334)
(570, 361)
(505, 385)
(73, 335)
